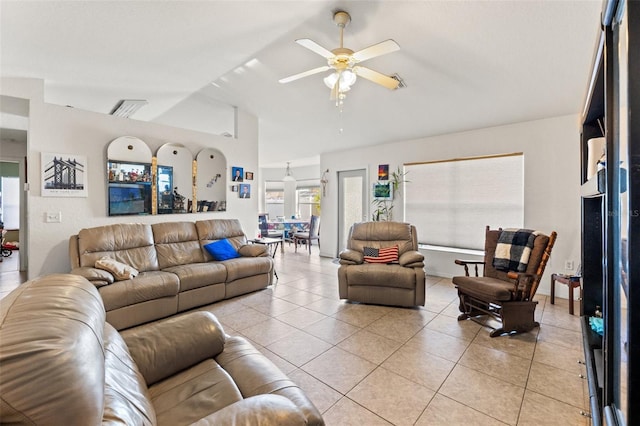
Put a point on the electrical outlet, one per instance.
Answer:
(53, 217)
(568, 264)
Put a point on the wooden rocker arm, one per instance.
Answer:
(522, 285)
(469, 262)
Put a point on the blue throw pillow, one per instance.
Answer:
(222, 250)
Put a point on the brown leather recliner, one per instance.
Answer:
(401, 283)
(62, 364)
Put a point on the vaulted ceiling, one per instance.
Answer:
(466, 64)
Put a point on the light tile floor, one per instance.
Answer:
(365, 364)
(377, 365)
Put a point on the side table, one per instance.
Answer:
(272, 246)
(572, 281)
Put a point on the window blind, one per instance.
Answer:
(451, 202)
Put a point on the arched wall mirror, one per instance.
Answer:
(211, 180)
(174, 179)
(129, 175)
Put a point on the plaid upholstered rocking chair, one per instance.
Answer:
(514, 262)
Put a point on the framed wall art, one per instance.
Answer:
(63, 175)
(383, 172)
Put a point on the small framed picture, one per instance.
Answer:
(248, 175)
(237, 174)
(383, 172)
(245, 190)
(234, 188)
(382, 191)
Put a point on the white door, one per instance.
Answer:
(352, 202)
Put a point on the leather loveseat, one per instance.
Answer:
(63, 364)
(399, 282)
(175, 272)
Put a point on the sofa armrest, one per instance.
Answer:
(253, 250)
(411, 259)
(260, 410)
(351, 257)
(97, 277)
(165, 347)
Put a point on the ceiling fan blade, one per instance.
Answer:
(315, 47)
(304, 74)
(379, 49)
(376, 77)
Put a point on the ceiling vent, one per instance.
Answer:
(127, 107)
(402, 84)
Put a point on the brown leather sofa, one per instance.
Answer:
(63, 364)
(401, 283)
(176, 273)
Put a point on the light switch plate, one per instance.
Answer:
(53, 217)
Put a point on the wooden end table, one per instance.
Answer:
(572, 281)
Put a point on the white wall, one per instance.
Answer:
(552, 200)
(60, 129)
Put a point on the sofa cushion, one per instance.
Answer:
(219, 229)
(243, 267)
(491, 241)
(131, 244)
(146, 286)
(119, 270)
(177, 243)
(381, 275)
(126, 400)
(193, 394)
(382, 234)
(257, 410)
(198, 275)
(221, 250)
(165, 347)
(493, 288)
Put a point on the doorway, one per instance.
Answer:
(14, 114)
(352, 202)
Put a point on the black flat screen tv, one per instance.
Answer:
(129, 199)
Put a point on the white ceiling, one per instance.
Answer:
(466, 64)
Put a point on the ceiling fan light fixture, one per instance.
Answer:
(347, 79)
(288, 177)
(345, 63)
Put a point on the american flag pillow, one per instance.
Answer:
(381, 255)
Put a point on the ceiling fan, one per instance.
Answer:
(345, 62)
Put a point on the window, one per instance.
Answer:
(274, 202)
(10, 202)
(451, 202)
(308, 202)
(307, 198)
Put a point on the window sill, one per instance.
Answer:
(451, 250)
